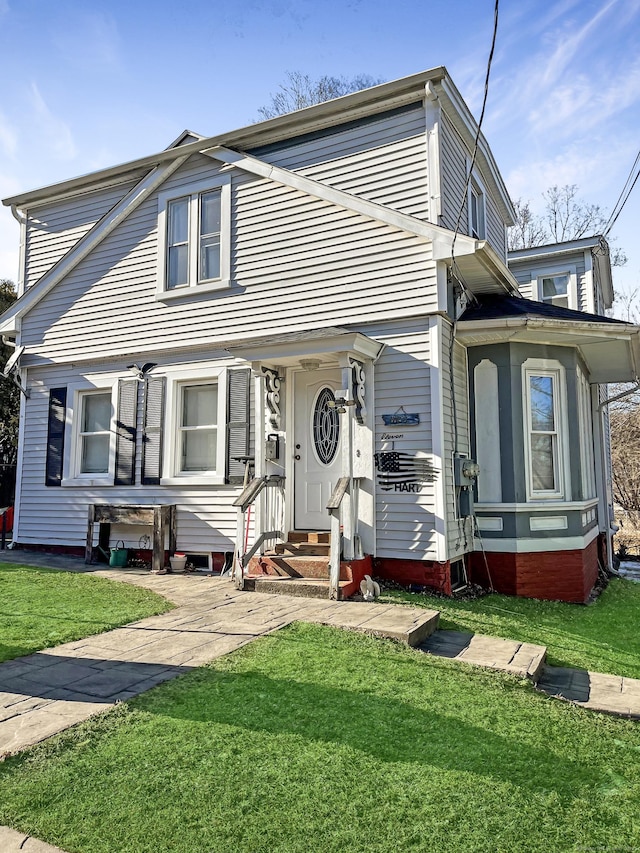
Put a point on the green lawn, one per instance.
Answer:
(40, 607)
(603, 636)
(315, 739)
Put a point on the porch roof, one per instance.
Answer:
(609, 347)
(289, 347)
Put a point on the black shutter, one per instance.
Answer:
(55, 436)
(154, 393)
(126, 429)
(238, 422)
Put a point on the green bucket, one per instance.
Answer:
(118, 556)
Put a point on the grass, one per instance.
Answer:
(603, 636)
(315, 739)
(40, 607)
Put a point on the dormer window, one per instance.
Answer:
(194, 239)
(554, 289)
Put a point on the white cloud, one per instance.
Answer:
(56, 133)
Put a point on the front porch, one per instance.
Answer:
(312, 465)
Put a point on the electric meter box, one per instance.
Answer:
(465, 471)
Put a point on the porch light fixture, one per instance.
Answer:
(310, 363)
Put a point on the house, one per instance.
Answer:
(306, 327)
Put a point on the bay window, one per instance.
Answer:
(545, 431)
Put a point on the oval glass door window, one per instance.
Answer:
(325, 426)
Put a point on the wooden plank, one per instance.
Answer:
(158, 540)
(123, 514)
(88, 551)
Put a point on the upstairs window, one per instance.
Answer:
(476, 210)
(194, 239)
(555, 289)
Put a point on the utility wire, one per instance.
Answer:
(626, 192)
(477, 139)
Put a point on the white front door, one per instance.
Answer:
(317, 462)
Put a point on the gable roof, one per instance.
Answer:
(151, 171)
(356, 105)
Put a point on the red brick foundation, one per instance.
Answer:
(551, 575)
(422, 572)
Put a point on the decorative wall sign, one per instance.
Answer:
(403, 472)
(400, 417)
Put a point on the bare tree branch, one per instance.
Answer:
(300, 90)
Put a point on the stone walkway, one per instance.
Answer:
(46, 692)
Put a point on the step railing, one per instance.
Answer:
(344, 528)
(273, 521)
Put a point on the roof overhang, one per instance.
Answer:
(323, 344)
(482, 270)
(350, 107)
(610, 352)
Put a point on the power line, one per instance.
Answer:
(624, 195)
(477, 139)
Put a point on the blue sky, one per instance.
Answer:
(88, 83)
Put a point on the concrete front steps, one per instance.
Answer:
(300, 567)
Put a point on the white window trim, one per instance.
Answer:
(193, 191)
(587, 453)
(202, 374)
(552, 368)
(96, 384)
(475, 184)
(572, 286)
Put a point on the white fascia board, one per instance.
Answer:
(352, 342)
(550, 249)
(370, 209)
(88, 243)
(576, 328)
(466, 125)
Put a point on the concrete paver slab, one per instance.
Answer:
(17, 842)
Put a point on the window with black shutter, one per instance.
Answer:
(126, 432)
(55, 436)
(152, 437)
(238, 422)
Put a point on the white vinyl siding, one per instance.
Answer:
(383, 161)
(455, 439)
(455, 160)
(529, 274)
(454, 176)
(405, 522)
(206, 519)
(299, 263)
(54, 228)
